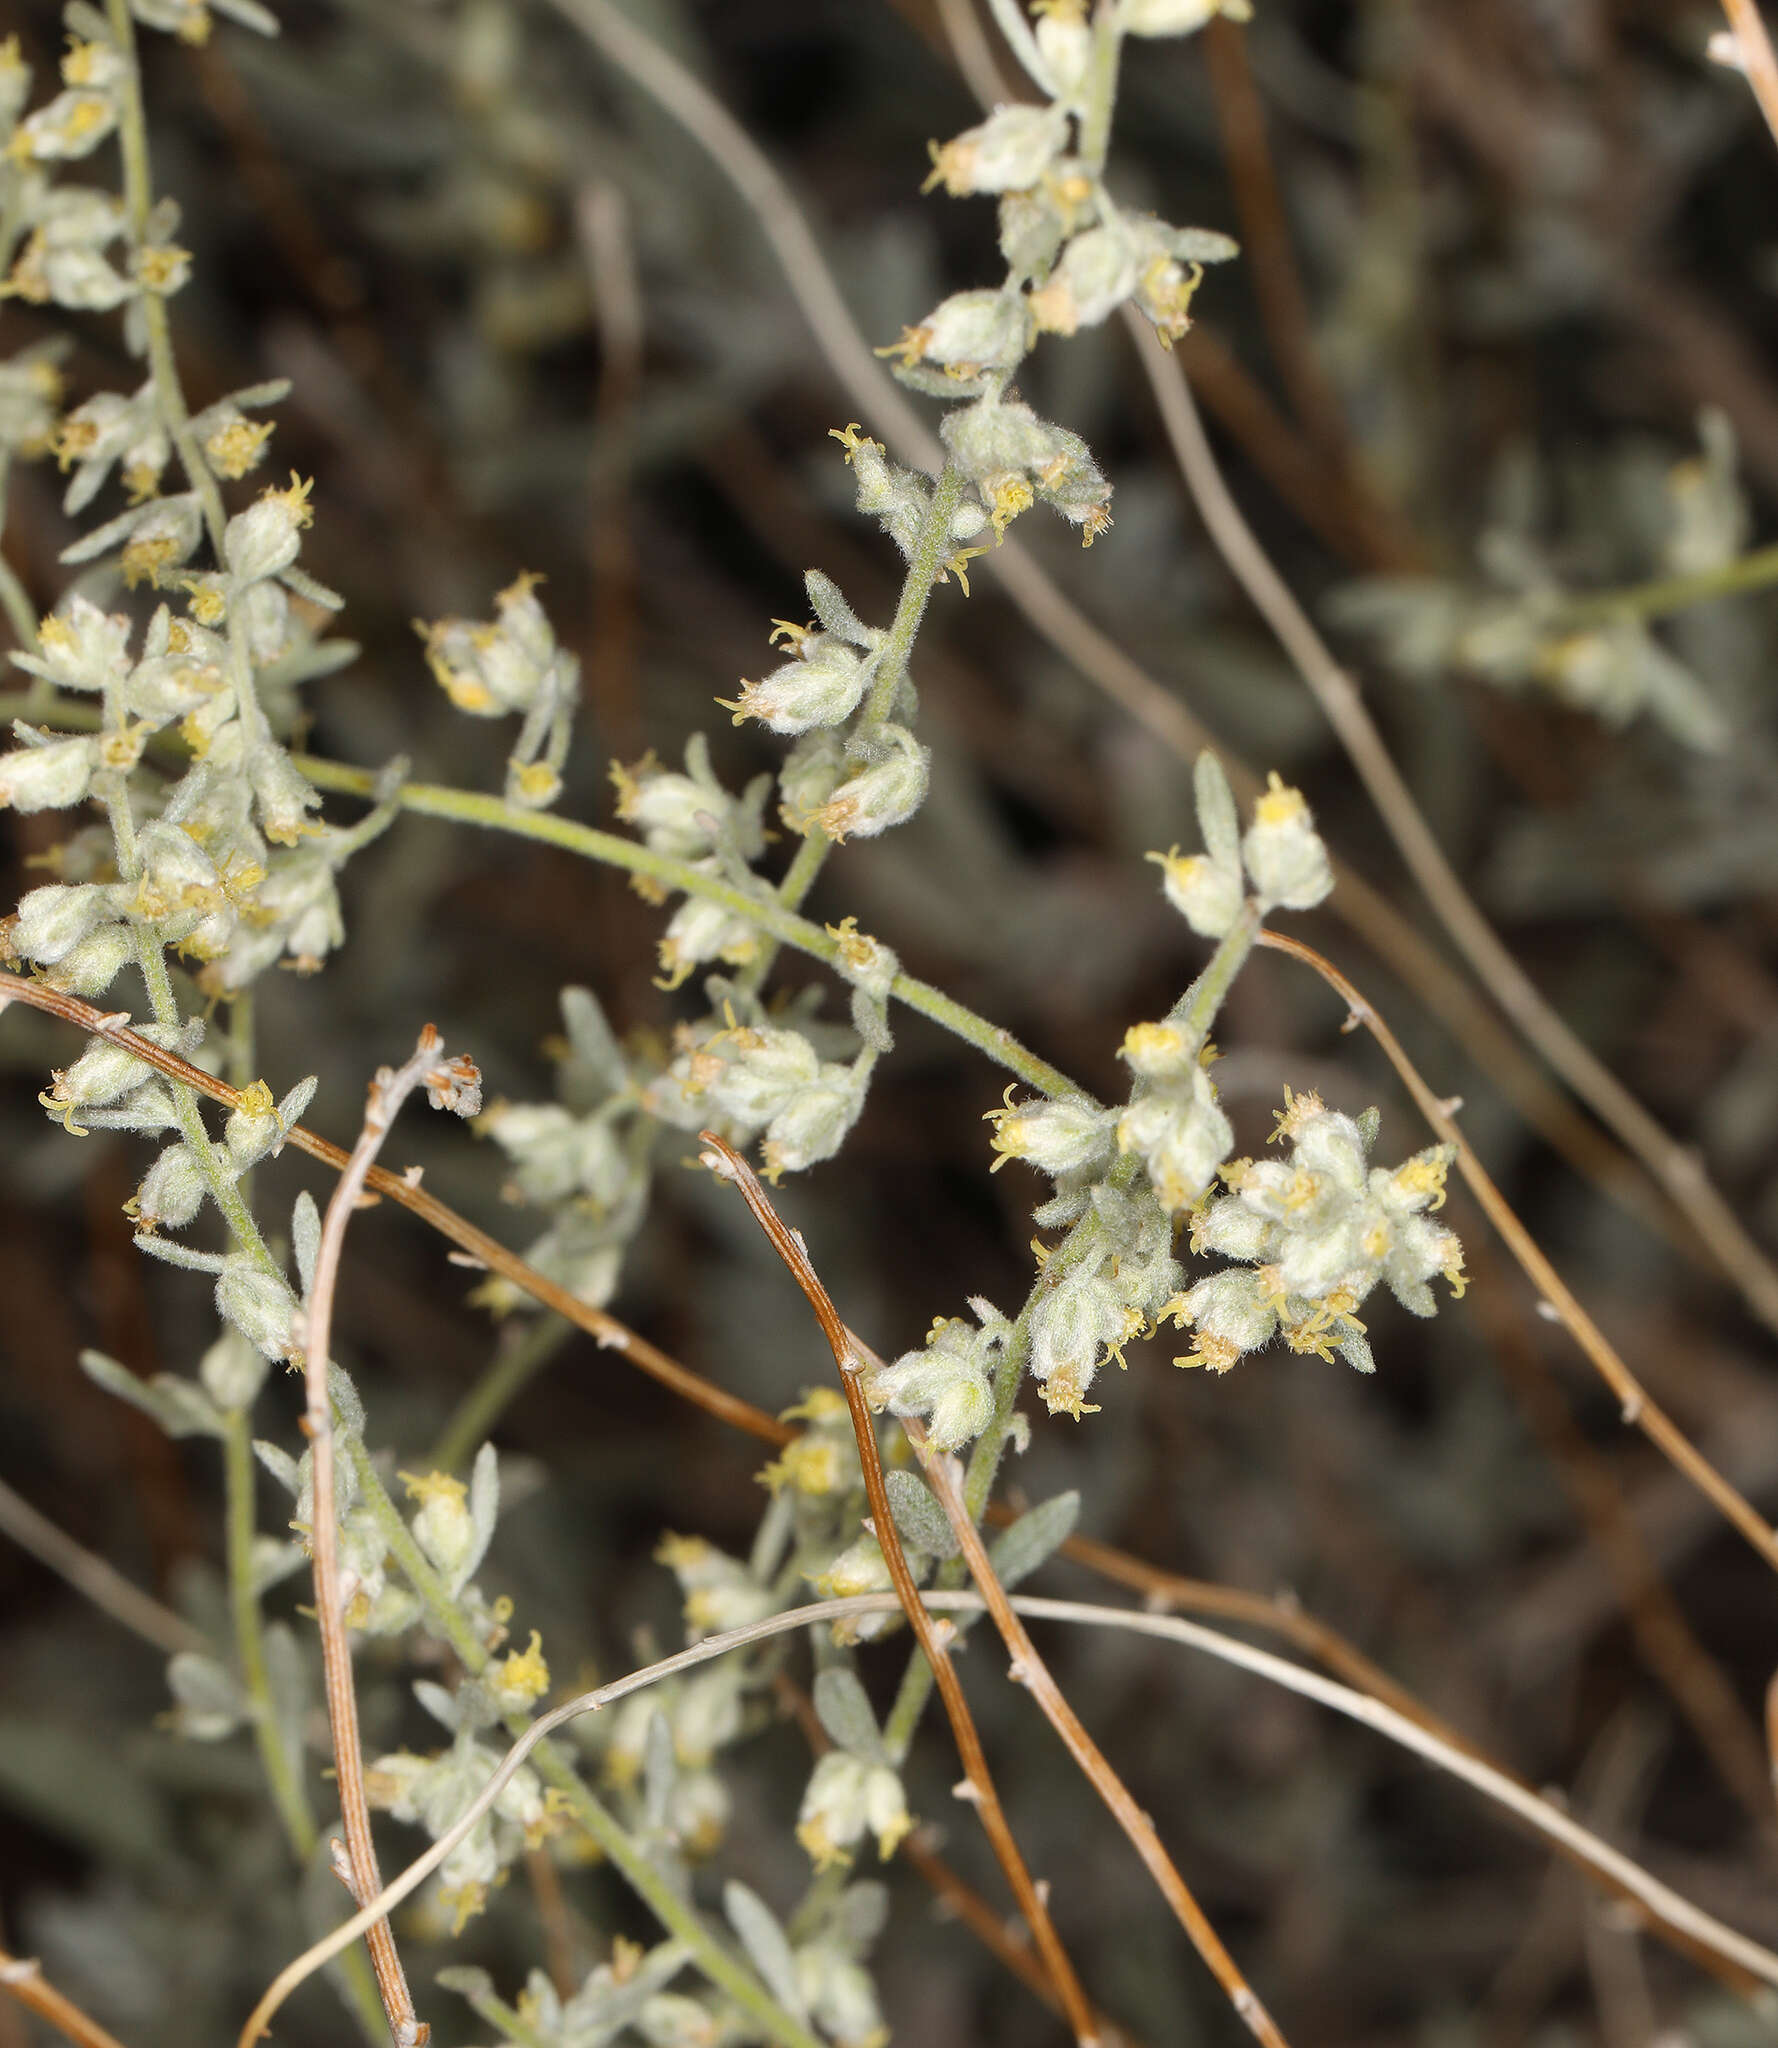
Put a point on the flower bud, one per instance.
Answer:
(812, 770)
(1183, 1138)
(720, 1592)
(91, 967)
(1204, 892)
(232, 1372)
(1074, 1325)
(1159, 1052)
(886, 793)
(259, 1304)
(1283, 851)
(813, 1124)
(53, 920)
(668, 2019)
(1055, 1137)
(948, 1383)
(1009, 151)
(674, 813)
(80, 648)
(283, 796)
(700, 931)
(1098, 272)
(969, 332)
(172, 1190)
(822, 687)
(442, 1525)
(1231, 1313)
(266, 538)
(517, 1681)
(47, 778)
(845, 1797)
(766, 1071)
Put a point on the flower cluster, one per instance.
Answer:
(512, 663)
(1521, 627)
(1317, 1232)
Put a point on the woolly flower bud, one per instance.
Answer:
(53, 920)
(668, 2019)
(1231, 1313)
(259, 1304)
(1204, 892)
(699, 931)
(1074, 1326)
(91, 967)
(1098, 272)
(1009, 151)
(822, 687)
(265, 539)
(80, 648)
(846, 1796)
(442, 1525)
(860, 1568)
(1159, 1052)
(49, 777)
(813, 1125)
(1283, 851)
(948, 1383)
(886, 793)
(1057, 1138)
(1183, 1137)
(172, 1191)
(968, 332)
(674, 813)
(812, 770)
(766, 1070)
(232, 1371)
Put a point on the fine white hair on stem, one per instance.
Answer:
(1541, 1815)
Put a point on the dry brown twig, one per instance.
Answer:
(1637, 1405)
(449, 1084)
(850, 1356)
(22, 1978)
(934, 1633)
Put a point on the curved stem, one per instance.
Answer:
(470, 807)
(1675, 1166)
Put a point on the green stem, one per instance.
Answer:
(282, 1774)
(1101, 94)
(1673, 593)
(470, 807)
(674, 1912)
(138, 192)
(14, 600)
(480, 1408)
(925, 565)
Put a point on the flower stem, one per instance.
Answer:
(471, 807)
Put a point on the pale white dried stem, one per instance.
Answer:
(444, 1083)
(1668, 1913)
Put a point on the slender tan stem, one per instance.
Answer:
(1028, 1669)
(480, 1248)
(934, 1637)
(1637, 1405)
(22, 1978)
(387, 1093)
(1676, 1167)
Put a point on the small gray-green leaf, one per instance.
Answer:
(660, 1770)
(208, 1701)
(764, 1941)
(918, 1516)
(846, 1714)
(1218, 820)
(180, 1407)
(305, 1234)
(484, 1510)
(1018, 1551)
